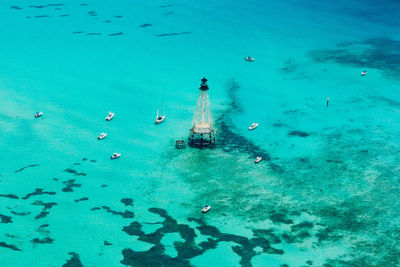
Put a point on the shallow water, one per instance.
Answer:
(326, 193)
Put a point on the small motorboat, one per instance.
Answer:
(159, 119)
(258, 159)
(363, 73)
(115, 156)
(110, 116)
(205, 209)
(253, 126)
(249, 58)
(38, 114)
(102, 136)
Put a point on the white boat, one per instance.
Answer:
(102, 136)
(159, 119)
(38, 114)
(363, 73)
(258, 159)
(205, 209)
(249, 58)
(110, 116)
(253, 126)
(115, 156)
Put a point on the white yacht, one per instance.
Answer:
(38, 114)
(258, 159)
(115, 156)
(159, 118)
(253, 126)
(205, 209)
(110, 116)
(249, 58)
(102, 136)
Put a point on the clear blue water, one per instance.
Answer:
(326, 193)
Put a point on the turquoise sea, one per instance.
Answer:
(326, 193)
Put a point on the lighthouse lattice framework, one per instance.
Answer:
(202, 131)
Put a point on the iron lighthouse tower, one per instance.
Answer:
(202, 131)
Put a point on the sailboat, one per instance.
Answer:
(159, 118)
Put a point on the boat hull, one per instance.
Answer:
(158, 121)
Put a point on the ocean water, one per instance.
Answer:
(325, 194)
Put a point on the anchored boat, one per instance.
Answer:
(102, 136)
(253, 126)
(110, 116)
(205, 209)
(249, 58)
(159, 118)
(115, 156)
(38, 114)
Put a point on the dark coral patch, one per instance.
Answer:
(127, 201)
(12, 196)
(188, 249)
(302, 225)
(279, 125)
(42, 215)
(42, 16)
(16, 7)
(38, 191)
(153, 257)
(107, 243)
(46, 205)
(378, 53)
(5, 219)
(146, 25)
(69, 185)
(76, 173)
(92, 13)
(45, 240)
(81, 199)
(94, 33)
(288, 66)
(125, 214)
(20, 213)
(29, 166)
(74, 261)
(57, 4)
(37, 6)
(169, 13)
(267, 234)
(5, 245)
(295, 238)
(278, 217)
(298, 133)
(171, 34)
(114, 34)
(165, 6)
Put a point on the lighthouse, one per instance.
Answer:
(202, 132)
